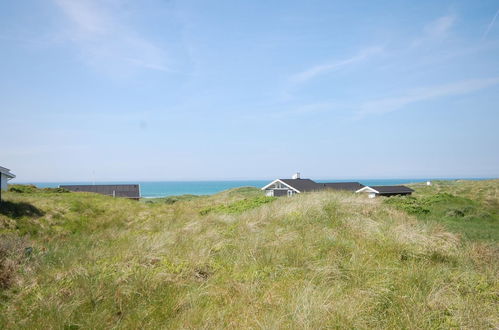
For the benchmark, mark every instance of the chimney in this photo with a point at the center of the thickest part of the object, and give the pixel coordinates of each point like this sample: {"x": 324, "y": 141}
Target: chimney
{"x": 296, "y": 175}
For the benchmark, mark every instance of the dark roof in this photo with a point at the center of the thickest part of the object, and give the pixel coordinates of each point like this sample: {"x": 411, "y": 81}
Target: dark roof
{"x": 351, "y": 186}
{"x": 303, "y": 184}
{"x": 308, "y": 185}
{"x": 117, "y": 190}
{"x": 392, "y": 189}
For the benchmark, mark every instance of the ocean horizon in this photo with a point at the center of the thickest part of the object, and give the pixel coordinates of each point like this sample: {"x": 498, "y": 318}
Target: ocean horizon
{"x": 156, "y": 189}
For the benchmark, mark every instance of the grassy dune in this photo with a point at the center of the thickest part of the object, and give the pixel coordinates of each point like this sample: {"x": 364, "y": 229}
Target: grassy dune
{"x": 469, "y": 208}
{"x": 318, "y": 260}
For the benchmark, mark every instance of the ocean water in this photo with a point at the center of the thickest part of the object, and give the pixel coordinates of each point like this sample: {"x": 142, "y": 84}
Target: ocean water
{"x": 151, "y": 189}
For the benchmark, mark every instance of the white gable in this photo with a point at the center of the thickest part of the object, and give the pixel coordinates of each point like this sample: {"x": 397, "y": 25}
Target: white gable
{"x": 6, "y": 172}
{"x": 367, "y": 189}
{"x": 280, "y": 184}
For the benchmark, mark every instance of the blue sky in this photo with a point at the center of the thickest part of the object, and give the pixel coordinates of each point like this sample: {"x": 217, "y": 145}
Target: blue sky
{"x": 188, "y": 90}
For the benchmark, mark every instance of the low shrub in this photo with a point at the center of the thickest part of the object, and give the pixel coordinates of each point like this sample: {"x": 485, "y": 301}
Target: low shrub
{"x": 239, "y": 206}
{"x": 460, "y": 212}
{"x": 30, "y": 189}
{"x": 409, "y": 204}
{"x": 55, "y": 190}
{"x": 455, "y": 213}
{"x": 438, "y": 198}
{"x": 442, "y": 203}
{"x": 23, "y": 188}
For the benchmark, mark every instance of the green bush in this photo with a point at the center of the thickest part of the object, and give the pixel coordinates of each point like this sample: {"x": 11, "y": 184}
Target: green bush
{"x": 455, "y": 213}
{"x": 409, "y": 204}
{"x": 440, "y": 203}
{"x": 460, "y": 212}
{"x": 438, "y": 198}
{"x": 55, "y": 190}
{"x": 30, "y": 189}
{"x": 23, "y": 188}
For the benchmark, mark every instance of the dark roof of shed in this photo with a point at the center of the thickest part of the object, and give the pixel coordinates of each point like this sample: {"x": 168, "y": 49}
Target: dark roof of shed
{"x": 120, "y": 190}
{"x": 303, "y": 184}
{"x": 351, "y": 186}
{"x": 392, "y": 189}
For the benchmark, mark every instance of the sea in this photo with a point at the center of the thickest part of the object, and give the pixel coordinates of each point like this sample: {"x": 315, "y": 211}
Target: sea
{"x": 155, "y": 189}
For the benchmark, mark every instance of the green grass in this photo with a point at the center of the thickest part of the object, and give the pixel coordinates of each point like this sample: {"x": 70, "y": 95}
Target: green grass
{"x": 469, "y": 208}
{"x": 172, "y": 199}
{"x": 319, "y": 260}
{"x": 238, "y": 206}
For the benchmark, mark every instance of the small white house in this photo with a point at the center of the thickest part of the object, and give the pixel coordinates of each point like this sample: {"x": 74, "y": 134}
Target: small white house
{"x": 5, "y": 175}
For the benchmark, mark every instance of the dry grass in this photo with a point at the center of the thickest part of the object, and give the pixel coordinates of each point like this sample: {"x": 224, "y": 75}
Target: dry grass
{"x": 322, "y": 260}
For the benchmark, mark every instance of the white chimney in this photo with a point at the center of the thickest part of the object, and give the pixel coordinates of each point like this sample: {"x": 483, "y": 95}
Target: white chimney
{"x": 296, "y": 175}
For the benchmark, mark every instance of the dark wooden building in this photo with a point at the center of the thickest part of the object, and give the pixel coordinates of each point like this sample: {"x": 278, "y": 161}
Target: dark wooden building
{"x": 131, "y": 191}
{"x": 374, "y": 191}
{"x": 348, "y": 186}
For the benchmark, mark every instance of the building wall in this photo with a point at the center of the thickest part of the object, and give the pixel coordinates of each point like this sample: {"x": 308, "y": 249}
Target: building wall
{"x": 395, "y": 194}
{"x": 280, "y": 192}
{"x": 3, "y": 181}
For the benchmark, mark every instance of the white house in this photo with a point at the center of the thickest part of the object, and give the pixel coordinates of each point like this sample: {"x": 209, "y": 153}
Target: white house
{"x": 297, "y": 185}
{"x": 5, "y": 175}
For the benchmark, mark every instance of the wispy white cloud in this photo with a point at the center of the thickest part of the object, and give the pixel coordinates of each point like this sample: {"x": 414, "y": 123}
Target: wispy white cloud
{"x": 96, "y": 28}
{"x": 491, "y": 24}
{"x": 436, "y": 30}
{"x": 335, "y": 65}
{"x": 390, "y": 104}
{"x": 440, "y": 27}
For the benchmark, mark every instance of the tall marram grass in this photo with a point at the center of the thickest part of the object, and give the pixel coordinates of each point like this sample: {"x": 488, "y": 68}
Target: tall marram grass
{"x": 319, "y": 260}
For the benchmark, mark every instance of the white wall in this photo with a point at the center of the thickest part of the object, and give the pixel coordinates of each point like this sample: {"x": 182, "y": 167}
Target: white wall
{"x": 3, "y": 181}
